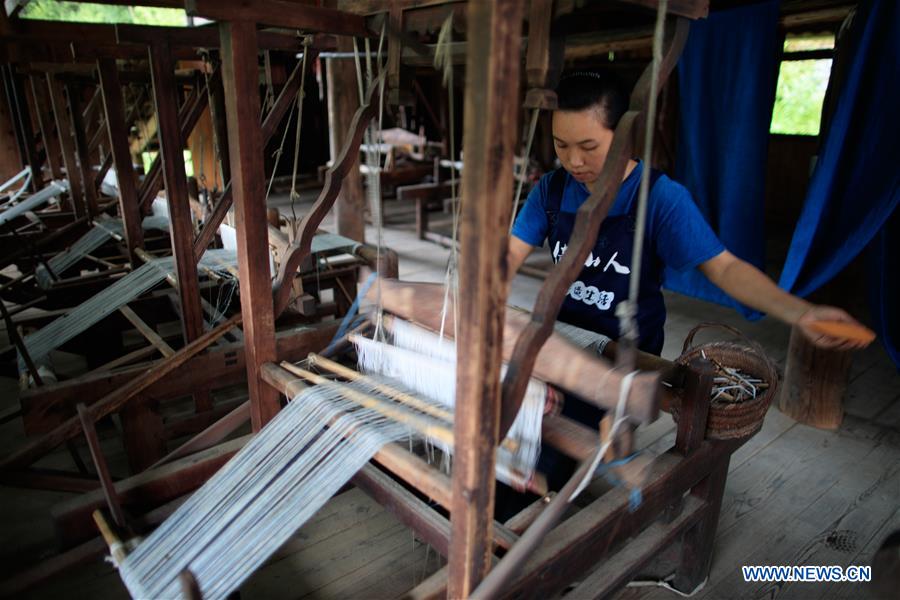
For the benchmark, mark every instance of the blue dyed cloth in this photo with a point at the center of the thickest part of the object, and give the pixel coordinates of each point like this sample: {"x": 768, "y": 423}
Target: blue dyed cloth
{"x": 854, "y": 189}
{"x": 726, "y": 76}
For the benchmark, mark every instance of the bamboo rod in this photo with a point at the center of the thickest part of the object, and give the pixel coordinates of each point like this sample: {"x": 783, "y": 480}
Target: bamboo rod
{"x": 116, "y": 547}
{"x": 421, "y": 424}
{"x": 347, "y": 373}
{"x": 435, "y": 411}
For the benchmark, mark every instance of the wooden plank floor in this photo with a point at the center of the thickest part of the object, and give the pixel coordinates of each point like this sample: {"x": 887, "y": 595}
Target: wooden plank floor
{"x": 795, "y": 495}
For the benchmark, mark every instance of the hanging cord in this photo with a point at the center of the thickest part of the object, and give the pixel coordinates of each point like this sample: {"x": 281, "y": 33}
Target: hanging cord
{"x": 301, "y": 94}
{"x": 207, "y": 68}
{"x": 373, "y": 161}
{"x": 443, "y": 62}
{"x": 376, "y": 193}
{"x": 269, "y": 100}
{"x": 620, "y": 417}
{"x": 277, "y": 154}
{"x": 666, "y": 584}
{"x": 529, "y": 139}
{"x": 627, "y": 310}
{"x": 359, "y": 80}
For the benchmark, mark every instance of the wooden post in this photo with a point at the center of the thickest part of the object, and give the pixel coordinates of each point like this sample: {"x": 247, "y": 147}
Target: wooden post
{"x": 815, "y": 381}
{"x": 39, "y": 96}
{"x": 491, "y": 122}
{"x": 66, "y": 144}
{"x": 8, "y": 92}
{"x": 343, "y": 100}
{"x": 165, "y": 93}
{"x": 10, "y": 159}
{"x": 240, "y": 73}
{"x": 114, "y": 108}
{"x": 697, "y": 544}
{"x": 22, "y": 116}
{"x": 220, "y": 126}
{"x": 81, "y": 148}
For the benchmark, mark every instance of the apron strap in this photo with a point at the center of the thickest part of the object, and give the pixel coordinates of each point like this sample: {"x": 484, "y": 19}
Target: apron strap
{"x": 555, "y": 189}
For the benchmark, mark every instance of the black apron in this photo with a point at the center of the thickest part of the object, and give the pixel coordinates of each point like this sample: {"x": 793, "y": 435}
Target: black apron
{"x": 603, "y": 282}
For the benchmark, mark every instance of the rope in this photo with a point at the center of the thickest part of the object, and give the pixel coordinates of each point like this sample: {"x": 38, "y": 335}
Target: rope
{"x": 269, "y": 100}
{"x": 301, "y": 94}
{"x": 627, "y": 310}
{"x": 532, "y": 128}
{"x": 443, "y": 61}
{"x": 620, "y": 417}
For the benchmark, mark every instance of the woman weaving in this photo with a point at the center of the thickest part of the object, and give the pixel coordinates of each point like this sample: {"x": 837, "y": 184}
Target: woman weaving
{"x": 676, "y": 234}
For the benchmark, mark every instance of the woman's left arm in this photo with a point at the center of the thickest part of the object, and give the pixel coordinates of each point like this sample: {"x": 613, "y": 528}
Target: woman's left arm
{"x": 750, "y": 286}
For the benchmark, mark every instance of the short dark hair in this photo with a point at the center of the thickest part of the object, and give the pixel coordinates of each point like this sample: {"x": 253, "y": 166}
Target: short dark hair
{"x": 579, "y": 90}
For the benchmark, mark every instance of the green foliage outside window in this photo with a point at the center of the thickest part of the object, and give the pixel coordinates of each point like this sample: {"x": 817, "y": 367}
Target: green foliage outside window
{"x": 801, "y": 88}
{"x": 147, "y": 159}
{"x": 102, "y": 13}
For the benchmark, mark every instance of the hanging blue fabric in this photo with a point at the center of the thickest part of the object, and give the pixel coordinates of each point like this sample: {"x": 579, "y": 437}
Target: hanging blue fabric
{"x": 884, "y": 288}
{"x": 727, "y": 76}
{"x": 854, "y": 188}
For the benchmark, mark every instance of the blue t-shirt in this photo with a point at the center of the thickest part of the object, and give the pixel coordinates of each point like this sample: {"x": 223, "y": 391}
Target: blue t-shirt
{"x": 682, "y": 237}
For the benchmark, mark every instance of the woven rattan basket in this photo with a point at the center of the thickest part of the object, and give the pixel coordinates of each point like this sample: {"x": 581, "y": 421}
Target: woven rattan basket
{"x": 729, "y": 421}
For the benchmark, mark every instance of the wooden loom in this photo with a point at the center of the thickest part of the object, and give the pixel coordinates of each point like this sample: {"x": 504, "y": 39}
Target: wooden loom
{"x": 470, "y": 536}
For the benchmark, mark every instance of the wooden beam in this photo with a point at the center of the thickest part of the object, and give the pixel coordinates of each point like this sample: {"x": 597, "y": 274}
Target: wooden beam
{"x": 86, "y": 52}
{"x": 692, "y": 9}
{"x": 301, "y": 247}
{"x": 491, "y": 122}
{"x": 177, "y": 4}
{"x": 206, "y": 36}
{"x": 343, "y": 102}
{"x": 73, "y": 91}
{"x": 613, "y": 574}
{"x": 240, "y": 77}
{"x": 112, "y": 401}
{"x": 117, "y": 127}
{"x": 67, "y": 145}
{"x": 64, "y": 31}
{"x": 42, "y": 109}
{"x": 47, "y": 407}
{"x": 148, "y": 332}
{"x": 171, "y": 146}
{"x": 280, "y": 13}
{"x": 22, "y": 114}
{"x": 270, "y": 124}
{"x": 369, "y": 7}
{"x": 188, "y": 116}
{"x": 144, "y": 491}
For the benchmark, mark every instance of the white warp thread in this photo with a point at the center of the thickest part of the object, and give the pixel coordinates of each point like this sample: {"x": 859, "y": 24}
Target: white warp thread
{"x": 24, "y": 173}
{"x": 426, "y": 363}
{"x": 40, "y": 343}
{"x": 253, "y": 504}
{"x": 96, "y": 236}
{"x": 55, "y": 188}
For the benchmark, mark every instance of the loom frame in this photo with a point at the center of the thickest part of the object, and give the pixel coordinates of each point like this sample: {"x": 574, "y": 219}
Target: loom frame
{"x": 693, "y": 466}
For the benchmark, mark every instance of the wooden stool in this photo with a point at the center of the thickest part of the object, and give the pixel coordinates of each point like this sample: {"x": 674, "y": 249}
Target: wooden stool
{"x": 815, "y": 380}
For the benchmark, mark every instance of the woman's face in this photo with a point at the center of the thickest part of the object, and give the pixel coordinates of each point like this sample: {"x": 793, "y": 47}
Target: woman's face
{"x": 581, "y": 141}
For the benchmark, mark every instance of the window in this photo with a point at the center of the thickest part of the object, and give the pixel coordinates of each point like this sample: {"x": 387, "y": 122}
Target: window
{"x": 148, "y": 157}
{"x": 102, "y": 13}
{"x": 802, "y": 81}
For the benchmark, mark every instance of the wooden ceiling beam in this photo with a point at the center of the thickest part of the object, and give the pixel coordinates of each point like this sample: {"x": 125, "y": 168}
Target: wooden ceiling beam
{"x": 371, "y": 7}
{"x": 286, "y": 14}
{"x": 692, "y": 9}
{"x": 177, "y": 4}
{"x": 198, "y": 37}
